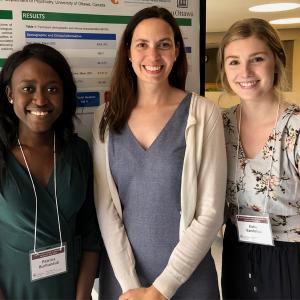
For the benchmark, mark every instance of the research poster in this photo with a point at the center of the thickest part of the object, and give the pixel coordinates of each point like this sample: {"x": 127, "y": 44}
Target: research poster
{"x": 87, "y": 33}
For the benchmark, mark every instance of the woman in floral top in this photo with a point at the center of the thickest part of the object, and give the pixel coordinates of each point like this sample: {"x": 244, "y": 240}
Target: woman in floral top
{"x": 261, "y": 254}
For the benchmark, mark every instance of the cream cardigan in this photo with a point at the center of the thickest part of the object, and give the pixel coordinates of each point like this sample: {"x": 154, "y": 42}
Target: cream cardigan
{"x": 202, "y": 200}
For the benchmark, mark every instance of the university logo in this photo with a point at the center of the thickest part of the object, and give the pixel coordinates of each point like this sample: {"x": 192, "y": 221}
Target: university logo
{"x": 182, "y": 3}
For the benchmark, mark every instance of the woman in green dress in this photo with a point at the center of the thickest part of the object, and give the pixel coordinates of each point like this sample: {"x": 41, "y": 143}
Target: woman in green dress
{"x": 49, "y": 234}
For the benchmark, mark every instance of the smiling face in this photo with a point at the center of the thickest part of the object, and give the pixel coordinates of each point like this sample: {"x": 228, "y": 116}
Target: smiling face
{"x": 153, "y": 51}
{"x": 37, "y": 94}
{"x": 250, "y": 67}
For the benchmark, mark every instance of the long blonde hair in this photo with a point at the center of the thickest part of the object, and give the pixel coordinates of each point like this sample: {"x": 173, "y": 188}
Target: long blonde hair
{"x": 262, "y": 30}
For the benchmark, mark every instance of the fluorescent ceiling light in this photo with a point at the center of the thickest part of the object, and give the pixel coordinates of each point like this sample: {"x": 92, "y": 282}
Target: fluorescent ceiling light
{"x": 274, "y": 7}
{"x": 286, "y": 21}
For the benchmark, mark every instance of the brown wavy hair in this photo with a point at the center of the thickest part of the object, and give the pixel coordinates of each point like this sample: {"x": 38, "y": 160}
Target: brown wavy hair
{"x": 122, "y": 96}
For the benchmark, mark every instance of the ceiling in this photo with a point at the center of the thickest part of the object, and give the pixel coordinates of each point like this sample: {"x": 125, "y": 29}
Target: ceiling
{"x": 220, "y": 14}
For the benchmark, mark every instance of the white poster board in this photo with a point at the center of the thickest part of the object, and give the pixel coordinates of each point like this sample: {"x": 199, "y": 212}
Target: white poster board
{"x": 87, "y": 33}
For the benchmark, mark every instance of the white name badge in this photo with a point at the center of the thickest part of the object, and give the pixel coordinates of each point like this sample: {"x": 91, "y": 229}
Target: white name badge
{"x": 255, "y": 229}
{"x": 49, "y": 262}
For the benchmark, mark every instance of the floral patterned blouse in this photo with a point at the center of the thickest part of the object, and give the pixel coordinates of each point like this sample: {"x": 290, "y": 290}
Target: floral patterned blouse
{"x": 250, "y": 183}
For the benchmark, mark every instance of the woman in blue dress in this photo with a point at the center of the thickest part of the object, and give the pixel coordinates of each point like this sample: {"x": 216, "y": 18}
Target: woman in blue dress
{"x": 160, "y": 170}
{"x": 49, "y": 235}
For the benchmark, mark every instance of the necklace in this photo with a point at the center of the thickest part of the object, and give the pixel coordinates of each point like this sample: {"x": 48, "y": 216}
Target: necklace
{"x": 35, "y": 194}
{"x": 271, "y": 163}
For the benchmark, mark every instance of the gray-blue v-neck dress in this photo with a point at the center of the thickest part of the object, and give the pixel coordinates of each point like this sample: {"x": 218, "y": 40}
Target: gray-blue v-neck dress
{"x": 149, "y": 185}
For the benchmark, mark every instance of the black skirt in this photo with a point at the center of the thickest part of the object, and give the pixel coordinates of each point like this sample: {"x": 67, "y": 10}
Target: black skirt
{"x": 251, "y": 271}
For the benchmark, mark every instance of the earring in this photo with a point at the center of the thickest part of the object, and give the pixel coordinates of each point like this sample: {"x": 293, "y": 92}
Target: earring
{"x": 11, "y": 101}
{"x": 130, "y": 59}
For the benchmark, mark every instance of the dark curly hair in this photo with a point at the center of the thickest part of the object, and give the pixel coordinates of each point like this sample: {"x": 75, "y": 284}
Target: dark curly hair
{"x": 9, "y": 122}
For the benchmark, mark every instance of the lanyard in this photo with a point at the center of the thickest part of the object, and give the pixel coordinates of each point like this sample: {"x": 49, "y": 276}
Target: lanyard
{"x": 271, "y": 163}
{"x": 35, "y": 194}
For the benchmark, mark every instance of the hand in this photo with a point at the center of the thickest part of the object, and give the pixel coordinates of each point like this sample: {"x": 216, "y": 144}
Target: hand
{"x": 1, "y": 295}
{"x": 150, "y": 293}
{"x": 87, "y": 274}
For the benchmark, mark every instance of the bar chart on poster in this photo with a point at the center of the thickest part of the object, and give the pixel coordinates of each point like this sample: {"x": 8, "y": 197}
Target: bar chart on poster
{"x": 87, "y": 33}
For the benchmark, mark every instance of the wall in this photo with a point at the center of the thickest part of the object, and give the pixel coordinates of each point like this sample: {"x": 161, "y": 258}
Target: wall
{"x": 212, "y": 40}
{"x": 87, "y": 33}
